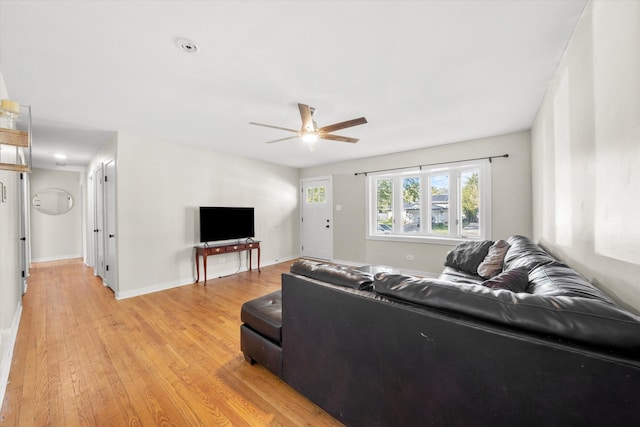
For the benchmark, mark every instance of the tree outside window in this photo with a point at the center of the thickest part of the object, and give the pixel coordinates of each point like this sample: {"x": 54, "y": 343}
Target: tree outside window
{"x": 470, "y": 203}
{"x": 384, "y": 218}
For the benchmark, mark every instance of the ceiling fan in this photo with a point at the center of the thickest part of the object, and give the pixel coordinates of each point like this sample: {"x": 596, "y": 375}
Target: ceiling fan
{"x": 310, "y": 132}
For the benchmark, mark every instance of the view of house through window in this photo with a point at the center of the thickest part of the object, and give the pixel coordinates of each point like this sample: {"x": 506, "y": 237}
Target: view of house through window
{"x": 439, "y": 206}
{"x": 453, "y": 198}
{"x": 411, "y": 204}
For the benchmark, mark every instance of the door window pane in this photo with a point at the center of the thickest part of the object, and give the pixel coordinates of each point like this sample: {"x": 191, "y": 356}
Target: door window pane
{"x": 316, "y": 194}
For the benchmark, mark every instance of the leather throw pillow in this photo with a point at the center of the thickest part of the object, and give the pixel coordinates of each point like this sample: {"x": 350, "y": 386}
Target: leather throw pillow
{"x": 492, "y": 264}
{"x": 468, "y": 255}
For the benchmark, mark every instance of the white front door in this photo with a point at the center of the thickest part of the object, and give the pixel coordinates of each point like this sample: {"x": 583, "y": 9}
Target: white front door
{"x": 316, "y": 231}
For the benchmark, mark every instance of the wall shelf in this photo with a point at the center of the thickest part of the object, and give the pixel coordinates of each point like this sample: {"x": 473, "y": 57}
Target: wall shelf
{"x": 15, "y": 144}
{"x": 19, "y": 139}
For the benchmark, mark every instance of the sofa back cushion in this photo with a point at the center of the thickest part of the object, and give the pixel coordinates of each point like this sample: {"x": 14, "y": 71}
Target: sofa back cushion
{"x": 557, "y": 279}
{"x": 514, "y": 280}
{"x": 450, "y": 274}
{"x": 523, "y": 252}
{"x": 579, "y": 319}
{"x": 331, "y": 273}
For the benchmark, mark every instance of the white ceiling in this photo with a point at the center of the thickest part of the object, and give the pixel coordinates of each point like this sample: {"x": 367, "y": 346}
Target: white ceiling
{"x": 422, "y": 72}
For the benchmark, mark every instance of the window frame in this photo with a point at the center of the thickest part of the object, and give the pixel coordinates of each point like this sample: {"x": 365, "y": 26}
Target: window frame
{"x": 425, "y": 234}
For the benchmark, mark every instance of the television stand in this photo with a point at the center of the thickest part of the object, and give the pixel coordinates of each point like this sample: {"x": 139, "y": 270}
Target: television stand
{"x": 222, "y": 248}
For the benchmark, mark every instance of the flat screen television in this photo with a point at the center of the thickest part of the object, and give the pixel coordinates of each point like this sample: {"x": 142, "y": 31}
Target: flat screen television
{"x": 226, "y": 223}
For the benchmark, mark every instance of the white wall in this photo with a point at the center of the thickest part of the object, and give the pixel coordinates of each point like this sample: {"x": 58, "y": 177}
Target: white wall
{"x": 55, "y": 237}
{"x": 160, "y": 186}
{"x": 586, "y": 152}
{"x": 511, "y": 201}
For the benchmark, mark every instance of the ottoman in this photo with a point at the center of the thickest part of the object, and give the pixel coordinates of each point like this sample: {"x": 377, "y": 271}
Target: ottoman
{"x": 261, "y": 332}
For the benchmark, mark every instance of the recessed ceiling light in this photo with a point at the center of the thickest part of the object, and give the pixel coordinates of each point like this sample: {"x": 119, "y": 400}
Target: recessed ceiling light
{"x": 187, "y": 45}
{"x": 60, "y": 156}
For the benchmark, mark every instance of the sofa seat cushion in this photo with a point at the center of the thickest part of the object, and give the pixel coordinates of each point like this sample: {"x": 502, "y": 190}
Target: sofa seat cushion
{"x": 557, "y": 279}
{"x": 578, "y": 319}
{"x": 523, "y": 252}
{"x": 264, "y": 315}
{"x": 339, "y": 275}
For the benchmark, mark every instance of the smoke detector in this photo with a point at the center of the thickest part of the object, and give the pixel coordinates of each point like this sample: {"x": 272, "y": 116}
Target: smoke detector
{"x": 187, "y": 45}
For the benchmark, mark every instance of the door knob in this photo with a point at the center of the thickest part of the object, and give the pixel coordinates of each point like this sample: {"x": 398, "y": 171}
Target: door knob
{"x": 112, "y": 235}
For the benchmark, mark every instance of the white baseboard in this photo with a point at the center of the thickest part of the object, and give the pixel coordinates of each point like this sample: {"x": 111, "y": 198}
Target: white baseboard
{"x": 9, "y": 341}
{"x": 189, "y": 281}
{"x": 56, "y": 258}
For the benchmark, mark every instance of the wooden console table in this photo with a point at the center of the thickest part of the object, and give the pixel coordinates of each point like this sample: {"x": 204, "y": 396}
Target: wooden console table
{"x": 204, "y": 252}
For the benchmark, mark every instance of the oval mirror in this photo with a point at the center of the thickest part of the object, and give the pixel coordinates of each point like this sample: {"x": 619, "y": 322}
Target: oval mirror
{"x": 52, "y": 201}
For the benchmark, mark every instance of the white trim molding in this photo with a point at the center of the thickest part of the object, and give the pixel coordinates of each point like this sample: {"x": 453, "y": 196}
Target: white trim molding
{"x": 7, "y": 343}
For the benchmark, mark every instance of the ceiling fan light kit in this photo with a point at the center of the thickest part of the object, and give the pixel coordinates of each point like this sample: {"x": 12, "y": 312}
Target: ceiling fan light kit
{"x": 310, "y": 137}
{"x": 310, "y": 132}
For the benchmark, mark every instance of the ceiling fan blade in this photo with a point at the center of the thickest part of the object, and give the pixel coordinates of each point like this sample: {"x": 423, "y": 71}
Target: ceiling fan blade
{"x": 273, "y": 127}
{"x": 307, "y": 120}
{"x": 343, "y": 125}
{"x": 338, "y": 138}
{"x": 281, "y": 139}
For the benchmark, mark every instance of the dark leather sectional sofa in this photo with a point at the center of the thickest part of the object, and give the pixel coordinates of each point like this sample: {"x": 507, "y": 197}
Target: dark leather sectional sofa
{"x": 397, "y": 350}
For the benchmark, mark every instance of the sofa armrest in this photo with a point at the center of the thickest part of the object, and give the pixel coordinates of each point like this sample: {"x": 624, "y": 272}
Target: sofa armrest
{"x": 331, "y": 273}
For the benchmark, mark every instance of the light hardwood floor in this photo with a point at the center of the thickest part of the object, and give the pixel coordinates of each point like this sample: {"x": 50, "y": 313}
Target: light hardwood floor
{"x": 167, "y": 358}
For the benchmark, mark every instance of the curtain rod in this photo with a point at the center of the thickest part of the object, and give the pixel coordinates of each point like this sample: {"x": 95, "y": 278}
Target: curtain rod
{"x": 490, "y": 158}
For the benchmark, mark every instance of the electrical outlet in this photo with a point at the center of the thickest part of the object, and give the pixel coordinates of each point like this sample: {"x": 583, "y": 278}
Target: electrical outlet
{"x": 410, "y": 257}
{"x": 221, "y": 260}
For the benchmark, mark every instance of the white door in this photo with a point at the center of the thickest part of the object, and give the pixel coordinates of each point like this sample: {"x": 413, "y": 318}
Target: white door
{"x": 90, "y": 221}
{"x": 98, "y": 224}
{"x": 111, "y": 266}
{"x": 316, "y": 231}
{"x": 23, "y": 201}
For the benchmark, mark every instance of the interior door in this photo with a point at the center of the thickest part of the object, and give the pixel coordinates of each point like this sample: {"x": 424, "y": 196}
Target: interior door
{"x": 23, "y": 200}
{"x": 98, "y": 223}
{"x": 111, "y": 266}
{"x": 90, "y": 220}
{"x": 317, "y": 218}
